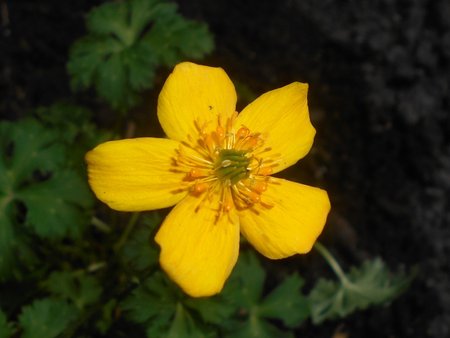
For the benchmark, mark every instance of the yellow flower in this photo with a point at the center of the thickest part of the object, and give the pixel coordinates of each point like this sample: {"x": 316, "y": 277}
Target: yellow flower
{"x": 215, "y": 167}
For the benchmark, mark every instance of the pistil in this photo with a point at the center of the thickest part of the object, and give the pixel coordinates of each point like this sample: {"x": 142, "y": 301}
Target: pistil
{"x": 232, "y": 165}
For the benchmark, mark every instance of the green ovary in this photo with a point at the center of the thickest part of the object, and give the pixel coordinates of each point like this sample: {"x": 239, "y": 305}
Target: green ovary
{"x": 232, "y": 165}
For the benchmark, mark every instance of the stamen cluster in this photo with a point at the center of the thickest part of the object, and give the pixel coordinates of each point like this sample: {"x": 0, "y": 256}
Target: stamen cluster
{"x": 228, "y": 161}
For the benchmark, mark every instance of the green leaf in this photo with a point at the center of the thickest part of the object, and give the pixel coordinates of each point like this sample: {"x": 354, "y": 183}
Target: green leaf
{"x": 214, "y": 310}
{"x": 174, "y": 38}
{"x": 286, "y": 302}
{"x": 55, "y": 207}
{"x": 140, "y": 253}
{"x": 75, "y": 129}
{"x": 71, "y": 120}
{"x": 86, "y": 57}
{"x": 46, "y": 318}
{"x": 32, "y": 149}
{"x": 184, "y": 326}
{"x": 247, "y": 281}
{"x": 153, "y": 301}
{"x": 35, "y": 174}
{"x": 157, "y": 304}
{"x": 126, "y": 43}
{"x": 371, "y": 284}
{"x": 6, "y": 330}
{"x": 245, "y": 289}
{"x": 256, "y": 327}
{"x": 79, "y": 288}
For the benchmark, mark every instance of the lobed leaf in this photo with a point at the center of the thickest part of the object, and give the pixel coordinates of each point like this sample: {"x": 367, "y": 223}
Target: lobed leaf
{"x": 371, "y": 284}
{"x": 46, "y": 318}
{"x": 126, "y": 43}
{"x": 164, "y": 310}
{"x": 81, "y": 289}
{"x": 245, "y": 289}
{"x": 38, "y": 190}
{"x": 184, "y": 326}
{"x": 213, "y": 310}
{"x": 247, "y": 281}
{"x": 153, "y": 301}
{"x": 286, "y": 302}
{"x": 55, "y": 206}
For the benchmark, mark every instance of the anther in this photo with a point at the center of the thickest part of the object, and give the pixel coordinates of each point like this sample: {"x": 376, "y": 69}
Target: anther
{"x": 219, "y": 134}
{"x": 196, "y": 173}
{"x": 265, "y": 171}
{"x": 254, "y": 197}
{"x": 242, "y": 132}
{"x": 259, "y": 187}
{"x": 198, "y": 188}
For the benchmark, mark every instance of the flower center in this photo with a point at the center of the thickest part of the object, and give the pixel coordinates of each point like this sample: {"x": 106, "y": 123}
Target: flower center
{"x": 232, "y": 165}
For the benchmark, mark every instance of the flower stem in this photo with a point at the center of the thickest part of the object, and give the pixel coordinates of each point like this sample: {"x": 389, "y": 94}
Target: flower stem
{"x": 128, "y": 229}
{"x": 100, "y": 225}
{"x": 332, "y": 262}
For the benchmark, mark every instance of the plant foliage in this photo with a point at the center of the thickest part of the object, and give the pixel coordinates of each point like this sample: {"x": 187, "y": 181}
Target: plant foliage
{"x": 5, "y": 327}
{"x": 40, "y": 194}
{"x": 371, "y": 284}
{"x": 126, "y": 43}
{"x": 46, "y": 318}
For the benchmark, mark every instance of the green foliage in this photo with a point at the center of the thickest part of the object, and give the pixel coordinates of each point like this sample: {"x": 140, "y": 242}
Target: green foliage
{"x": 75, "y": 130}
{"x": 368, "y": 285}
{"x": 79, "y": 288}
{"x": 212, "y": 310}
{"x": 285, "y": 303}
{"x": 104, "y": 323}
{"x": 5, "y": 327}
{"x": 184, "y": 326}
{"x": 140, "y": 304}
{"x": 140, "y": 252}
{"x": 46, "y": 318}
{"x": 165, "y": 311}
{"x": 35, "y": 176}
{"x": 125, "y": 44}
{"x": 240, "y": 311}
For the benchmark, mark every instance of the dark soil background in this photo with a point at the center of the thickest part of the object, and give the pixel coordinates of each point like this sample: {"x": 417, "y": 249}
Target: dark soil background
{"x": 379, "y": 75}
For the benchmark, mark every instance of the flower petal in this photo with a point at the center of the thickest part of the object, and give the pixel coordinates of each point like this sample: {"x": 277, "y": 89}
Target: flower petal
{"x": 135, "y": 174}
{"x": 194, "y": 93}
{"x": 198, "y": 251}
{"x": 282, "y": 117}
{"x": 293, "y": 223}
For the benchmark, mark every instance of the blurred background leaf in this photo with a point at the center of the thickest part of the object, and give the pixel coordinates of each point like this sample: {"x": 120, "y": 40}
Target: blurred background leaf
{"x": 370, "y": 284}
{"x": 126, "y": 43}
{"x": 46, "y": 318}
{"x": 79, "y": 288}
{"x": 40, "y": 194}
{"x": 5, "y": 327}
